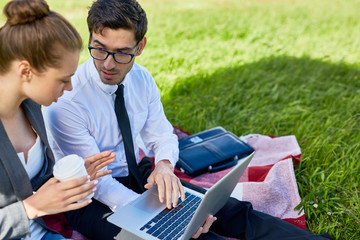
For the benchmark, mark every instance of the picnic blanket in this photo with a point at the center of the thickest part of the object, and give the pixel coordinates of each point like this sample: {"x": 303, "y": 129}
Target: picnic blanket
{"x": 269, "y": 182}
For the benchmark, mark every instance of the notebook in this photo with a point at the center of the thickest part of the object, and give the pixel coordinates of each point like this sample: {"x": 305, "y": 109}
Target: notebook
{"x": 147, "y": 218}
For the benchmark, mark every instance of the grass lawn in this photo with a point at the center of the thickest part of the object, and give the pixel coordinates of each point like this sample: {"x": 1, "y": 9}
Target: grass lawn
{"x": 277, "y": 67}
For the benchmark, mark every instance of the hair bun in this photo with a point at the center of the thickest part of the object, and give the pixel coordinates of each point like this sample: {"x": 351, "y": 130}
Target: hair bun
{"x": 25, "y": 11}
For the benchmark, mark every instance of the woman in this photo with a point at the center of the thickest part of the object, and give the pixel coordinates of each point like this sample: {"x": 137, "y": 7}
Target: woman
{"x": 39, "y": 52}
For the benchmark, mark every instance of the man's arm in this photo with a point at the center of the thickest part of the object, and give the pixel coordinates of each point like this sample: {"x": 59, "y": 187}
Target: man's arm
{"x": 157, "y": 135}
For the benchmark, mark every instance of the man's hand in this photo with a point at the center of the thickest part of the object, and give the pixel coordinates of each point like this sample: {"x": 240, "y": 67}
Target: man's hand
{"x": 169, "y": 184}
{"x": 96, "y": 162}
{"x": 205, "y": 228}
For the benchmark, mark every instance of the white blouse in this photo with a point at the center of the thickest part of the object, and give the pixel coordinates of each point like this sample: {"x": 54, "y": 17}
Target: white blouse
{"x": 33, "y": 166}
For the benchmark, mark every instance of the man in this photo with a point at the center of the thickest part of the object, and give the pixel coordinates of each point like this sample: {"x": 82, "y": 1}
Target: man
{"x": 84, "y": 122}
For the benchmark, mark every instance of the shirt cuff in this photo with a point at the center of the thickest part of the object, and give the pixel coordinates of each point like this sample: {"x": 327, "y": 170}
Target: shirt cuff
{"x": 113, "y": 194}
{"x": 173, "y": 157}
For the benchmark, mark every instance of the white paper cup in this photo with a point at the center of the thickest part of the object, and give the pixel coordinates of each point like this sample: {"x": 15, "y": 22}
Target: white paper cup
{"x": 70, "y": 167}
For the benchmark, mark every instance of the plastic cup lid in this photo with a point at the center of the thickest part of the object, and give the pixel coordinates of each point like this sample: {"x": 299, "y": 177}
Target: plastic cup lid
{"x": 68, "y": 166}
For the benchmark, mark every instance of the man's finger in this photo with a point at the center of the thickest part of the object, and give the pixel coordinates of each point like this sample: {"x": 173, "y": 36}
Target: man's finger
{"x": 161, "y": 189}
{"x": 181, "y": 189}
{"x": 148, "y": 185}
{"x": 168, "y": 189}
{"x": 175, "y": 193}
{"x": 198, "y": 233}
{"x": 209, "y": 221}
{"x": 102, "y": 173}
{"x": 104, "y": 164}
{"x": 97, "y": 156}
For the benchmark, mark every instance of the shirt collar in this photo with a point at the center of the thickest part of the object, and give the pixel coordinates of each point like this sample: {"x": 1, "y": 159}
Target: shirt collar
{"x": 107, "y": 88}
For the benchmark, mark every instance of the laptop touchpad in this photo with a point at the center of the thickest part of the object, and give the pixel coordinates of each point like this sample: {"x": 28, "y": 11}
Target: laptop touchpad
{"x": 150, "y": 202}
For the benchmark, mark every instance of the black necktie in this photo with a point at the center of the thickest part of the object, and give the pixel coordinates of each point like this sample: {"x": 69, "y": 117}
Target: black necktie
{"x": 124, "y": 124}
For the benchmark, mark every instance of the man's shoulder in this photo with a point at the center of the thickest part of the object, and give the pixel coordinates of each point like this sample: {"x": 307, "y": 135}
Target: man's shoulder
{"x": 139, "y": 75}
{"x": 140, "y": 71}
{"x": 81, "y": 82}
{"x": 138, "y": 67}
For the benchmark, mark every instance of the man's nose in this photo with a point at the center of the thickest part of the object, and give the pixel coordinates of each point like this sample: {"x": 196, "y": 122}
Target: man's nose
{"x": 109, "y": 63}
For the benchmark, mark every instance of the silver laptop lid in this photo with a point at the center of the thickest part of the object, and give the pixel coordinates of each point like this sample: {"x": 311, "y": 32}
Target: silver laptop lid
{"x": 216, "y": 197}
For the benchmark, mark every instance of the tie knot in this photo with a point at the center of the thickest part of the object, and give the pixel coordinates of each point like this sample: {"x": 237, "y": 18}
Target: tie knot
{"x": 120, "y": 90}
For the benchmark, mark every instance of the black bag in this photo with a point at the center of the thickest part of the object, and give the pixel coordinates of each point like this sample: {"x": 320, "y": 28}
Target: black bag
{"x": 210, "y": 151}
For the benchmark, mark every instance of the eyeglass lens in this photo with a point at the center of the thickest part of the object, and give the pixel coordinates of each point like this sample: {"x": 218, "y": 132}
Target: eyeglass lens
{"x": 101, "y": 55}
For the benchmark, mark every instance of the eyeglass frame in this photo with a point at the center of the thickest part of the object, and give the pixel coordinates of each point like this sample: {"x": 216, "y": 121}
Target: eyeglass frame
{"x": 113, "y": 53}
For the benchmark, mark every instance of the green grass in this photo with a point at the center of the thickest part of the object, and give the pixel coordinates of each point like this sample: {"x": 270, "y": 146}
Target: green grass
{"x": 277, "y": 67}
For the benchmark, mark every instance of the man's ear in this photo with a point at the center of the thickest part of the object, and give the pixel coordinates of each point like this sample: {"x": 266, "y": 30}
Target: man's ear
{"x": 25, "y": 70}
{"x": 141, "y": 46}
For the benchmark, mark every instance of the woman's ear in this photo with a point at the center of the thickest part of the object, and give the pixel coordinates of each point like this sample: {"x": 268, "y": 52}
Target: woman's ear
{"x": 24, "y": 70}
{"x": 141, "y": 46}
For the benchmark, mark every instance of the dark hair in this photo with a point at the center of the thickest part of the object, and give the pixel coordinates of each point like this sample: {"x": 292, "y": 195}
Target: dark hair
{"x": 34, "y": 33}
{"x": 115, "y": 14}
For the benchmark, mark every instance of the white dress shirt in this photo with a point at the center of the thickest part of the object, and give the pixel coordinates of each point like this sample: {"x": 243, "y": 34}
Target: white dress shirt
{"x": 83, "y": 122}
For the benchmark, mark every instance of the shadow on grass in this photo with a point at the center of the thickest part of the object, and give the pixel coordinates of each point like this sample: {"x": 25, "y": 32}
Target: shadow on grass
{"x": 314, "y": 100}
{"x": 272, "y": 96}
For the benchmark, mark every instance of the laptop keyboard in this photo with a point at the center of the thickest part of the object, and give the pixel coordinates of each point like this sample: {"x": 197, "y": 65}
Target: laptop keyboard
{"x": 170, "y": 223}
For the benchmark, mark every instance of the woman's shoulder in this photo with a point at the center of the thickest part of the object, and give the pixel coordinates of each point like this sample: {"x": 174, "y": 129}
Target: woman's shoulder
{"x": 31, "y": 105}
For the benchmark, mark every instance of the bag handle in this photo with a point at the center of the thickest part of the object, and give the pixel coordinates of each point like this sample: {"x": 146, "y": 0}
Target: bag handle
{"x": 224, "y": 165}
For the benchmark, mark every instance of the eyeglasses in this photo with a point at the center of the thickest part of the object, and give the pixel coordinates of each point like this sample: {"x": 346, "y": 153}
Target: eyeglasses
{"x": 119, "y": 57}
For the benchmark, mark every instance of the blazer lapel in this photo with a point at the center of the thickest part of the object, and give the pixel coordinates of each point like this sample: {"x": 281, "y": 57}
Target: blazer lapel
{"x": 33, "y": 113}
{"x": 13, "y": 166}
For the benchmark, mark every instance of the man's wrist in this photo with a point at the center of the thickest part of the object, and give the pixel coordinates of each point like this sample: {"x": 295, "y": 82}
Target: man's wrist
{"x": 166, "y": 162}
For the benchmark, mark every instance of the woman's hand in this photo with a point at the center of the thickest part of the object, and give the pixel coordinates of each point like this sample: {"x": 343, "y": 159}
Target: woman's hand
{"x": 205, "y": 228}
{"x": 96, "y": 162}
{"x": 55, "y": 196}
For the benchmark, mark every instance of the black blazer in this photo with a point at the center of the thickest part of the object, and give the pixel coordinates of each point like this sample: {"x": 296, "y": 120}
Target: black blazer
{"x": 15, "y": 184}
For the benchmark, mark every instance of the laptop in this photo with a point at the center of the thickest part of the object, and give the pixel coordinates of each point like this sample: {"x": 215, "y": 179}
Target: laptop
{"x": 147, "y": 218}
